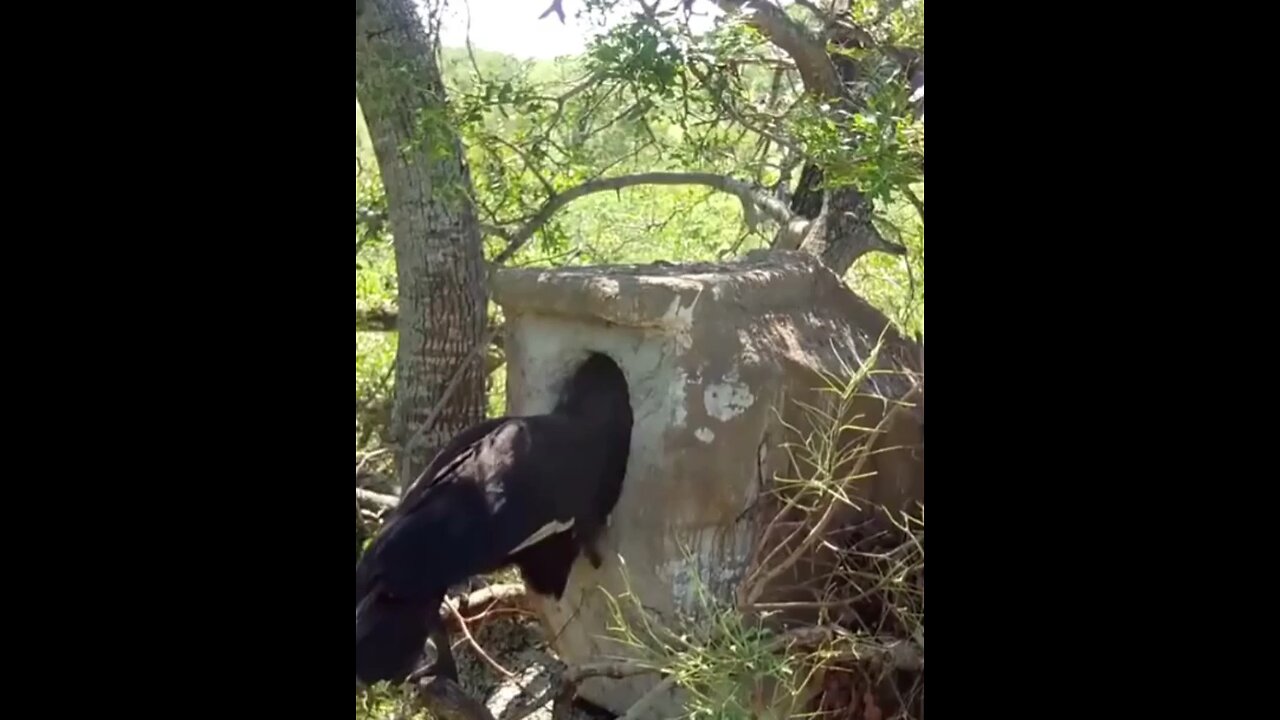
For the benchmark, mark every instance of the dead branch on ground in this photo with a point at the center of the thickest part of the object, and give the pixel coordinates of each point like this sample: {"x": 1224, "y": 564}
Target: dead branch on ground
{"x": 378, "y": 500}
{"x": 466, "y": 632}
{"x": 445, "y": 700}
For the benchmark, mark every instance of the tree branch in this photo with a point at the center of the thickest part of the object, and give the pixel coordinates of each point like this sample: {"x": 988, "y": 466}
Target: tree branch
{"x": 750, "y": 195}
{"x": 501, "y": 592}
{"x": 376, "y": 320}
{"x": 810, "y": 55}
{"x": 379, "y": 500}
{"x": 466, "y": 631}
{"x": 524, "y": 157}
{"x": 728, "y": 107}
{"x": 896, "y": 653}
{"x": 503, "y": 597}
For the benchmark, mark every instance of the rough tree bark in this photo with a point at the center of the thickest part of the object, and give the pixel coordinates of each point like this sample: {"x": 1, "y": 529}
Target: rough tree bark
{"x": 442, "y": 298}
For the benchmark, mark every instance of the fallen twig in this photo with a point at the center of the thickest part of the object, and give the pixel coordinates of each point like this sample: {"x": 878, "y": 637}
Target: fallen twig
{"x": 363, "y": 460}
{"x": 462, "y": 623}
{"x": 512, "y": 594}
{"x": 372, "y": 498}
{"x": 615, "y": 670}
{"x": 897, "y": 653}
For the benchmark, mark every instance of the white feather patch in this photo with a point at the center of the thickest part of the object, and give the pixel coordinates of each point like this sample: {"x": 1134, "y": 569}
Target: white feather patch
{"x": 544, "y": 532}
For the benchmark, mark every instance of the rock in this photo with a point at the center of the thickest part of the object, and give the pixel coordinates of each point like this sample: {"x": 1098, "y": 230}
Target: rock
{"x": 713, "y": 354}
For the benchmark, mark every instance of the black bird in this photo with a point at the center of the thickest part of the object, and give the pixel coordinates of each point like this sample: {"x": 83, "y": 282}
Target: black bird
{"x": 530, "y": 491}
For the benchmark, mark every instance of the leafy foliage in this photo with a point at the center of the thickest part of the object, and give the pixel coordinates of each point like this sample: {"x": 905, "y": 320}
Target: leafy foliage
{"x": 651, "y": 94}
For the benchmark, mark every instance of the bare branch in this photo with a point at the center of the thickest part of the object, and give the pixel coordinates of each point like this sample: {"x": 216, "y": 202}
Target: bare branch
{"x": 466, "y": 632}
{"x": 364, "y": 459}
{"x": 470, "y": 51}
{"x": 502, "y": 593}
{"x": 743, "y": 121}
{"x": 378, "y": 499}
{"x": 898, "y": 654}
{"x": 749, "y": 194}
{"x": 568, "y": 95}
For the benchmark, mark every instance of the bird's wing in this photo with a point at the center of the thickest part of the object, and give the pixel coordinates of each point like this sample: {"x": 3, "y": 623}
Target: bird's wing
{"x": 461, "y": 448}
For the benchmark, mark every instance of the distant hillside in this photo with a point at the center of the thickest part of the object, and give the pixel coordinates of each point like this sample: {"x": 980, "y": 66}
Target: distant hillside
{"x": 456, "y": 66}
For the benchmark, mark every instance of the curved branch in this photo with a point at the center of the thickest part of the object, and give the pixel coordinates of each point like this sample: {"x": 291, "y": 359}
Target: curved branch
{"x": 813, "y": 62}
{"x": 751, "y": 196}
{"x": 736, "y": 115}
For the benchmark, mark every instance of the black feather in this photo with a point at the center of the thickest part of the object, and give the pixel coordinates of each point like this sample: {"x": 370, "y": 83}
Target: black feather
{"x": 485, "y": 494}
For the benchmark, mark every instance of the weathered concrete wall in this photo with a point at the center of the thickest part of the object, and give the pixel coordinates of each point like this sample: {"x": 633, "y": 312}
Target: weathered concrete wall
{"x": 709, "y": 352}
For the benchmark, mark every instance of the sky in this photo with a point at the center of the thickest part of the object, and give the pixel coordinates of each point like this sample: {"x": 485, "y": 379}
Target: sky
{"x": 512, "y": 26}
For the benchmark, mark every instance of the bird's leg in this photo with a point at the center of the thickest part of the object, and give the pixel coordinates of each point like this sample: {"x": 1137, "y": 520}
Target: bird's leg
{"x": 444, "y": 665}
{"x": 593, "y": 554}
{"x": 590, "y": 540}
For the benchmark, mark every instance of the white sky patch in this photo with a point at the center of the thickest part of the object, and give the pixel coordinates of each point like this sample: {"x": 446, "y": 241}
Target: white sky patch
{"x": 512, "y": 27}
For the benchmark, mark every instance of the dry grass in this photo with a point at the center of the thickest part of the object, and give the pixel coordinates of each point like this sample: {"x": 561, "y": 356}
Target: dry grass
{"x": 850, "y": 647}
{"x": 854, "y": 647}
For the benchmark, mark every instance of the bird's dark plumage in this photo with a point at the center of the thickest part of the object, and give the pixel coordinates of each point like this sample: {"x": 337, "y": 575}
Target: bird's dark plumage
{"x": 528, "y": 491}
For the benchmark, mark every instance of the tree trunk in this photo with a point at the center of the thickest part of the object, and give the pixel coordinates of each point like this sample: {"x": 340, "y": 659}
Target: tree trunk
{"x": 442, "y": 298}
{"x": 841, "y": 230}
{"x": 844, "y": 232}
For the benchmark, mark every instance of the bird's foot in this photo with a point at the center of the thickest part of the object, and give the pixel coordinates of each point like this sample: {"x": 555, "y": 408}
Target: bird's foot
{"x": 433, "y": 669}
